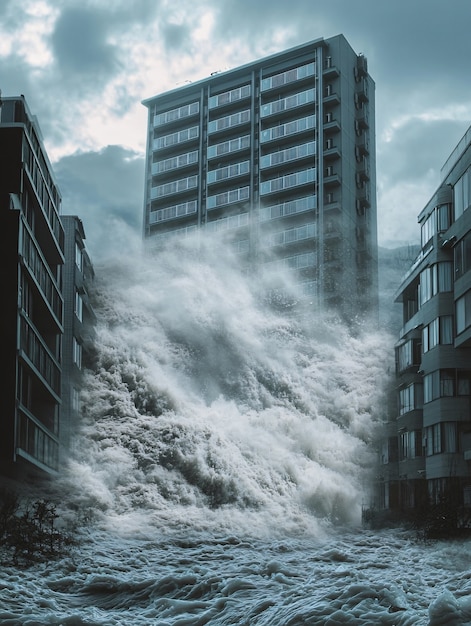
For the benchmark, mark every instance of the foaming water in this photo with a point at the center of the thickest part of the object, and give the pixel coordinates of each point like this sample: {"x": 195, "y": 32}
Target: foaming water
{"x": 210, "y": 409}
{"x": 223, "y": 457}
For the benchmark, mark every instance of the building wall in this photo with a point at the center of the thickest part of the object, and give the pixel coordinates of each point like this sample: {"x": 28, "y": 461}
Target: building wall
{"x": 36, "y": 301}
{"x": 433, "y": 353}
{"x": 280, "y": 155}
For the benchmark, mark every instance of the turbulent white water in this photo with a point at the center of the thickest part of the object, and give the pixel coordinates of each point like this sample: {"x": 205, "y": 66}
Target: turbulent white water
{"x": 224, "y": 456}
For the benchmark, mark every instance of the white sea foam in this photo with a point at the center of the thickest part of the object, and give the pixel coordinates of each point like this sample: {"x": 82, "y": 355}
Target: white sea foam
{"x": 208, "y": 407}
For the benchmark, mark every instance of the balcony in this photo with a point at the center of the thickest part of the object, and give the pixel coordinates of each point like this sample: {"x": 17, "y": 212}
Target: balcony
{"x": 174, "y": 139}
{"x": 228, "y": 197}
{"x": 36, "y": 352}
{"x": 288, "y": 77}
{"x": 172, "y": 212}
{"x": 230, "y": 171}
{"x": 228, "y": 147}
{"x": 177, "y": 162}
{"x": 179, "y": 113}
{"x": 288, "y": 103}
{"x": 293, "y": 207}
{"x": 228, "y": 97}
{"x": 229, "y": 121}
{"x": 173, "y": 187}
{"x": 290, "y": 154}
{"x": 289, "y": 129}
{"x": 296, "y": 179}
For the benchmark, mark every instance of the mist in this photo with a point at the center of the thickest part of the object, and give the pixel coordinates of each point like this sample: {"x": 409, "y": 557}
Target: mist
{"x": 207, "y": 407}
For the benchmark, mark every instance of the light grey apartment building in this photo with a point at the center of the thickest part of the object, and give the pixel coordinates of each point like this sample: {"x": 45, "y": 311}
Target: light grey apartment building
{"x": 279, "y": 155}
{"x": 426, "y": 455}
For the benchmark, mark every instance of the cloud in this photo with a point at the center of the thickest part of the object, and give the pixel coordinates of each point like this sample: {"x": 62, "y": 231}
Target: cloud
{"x": 80, "y": 43}
{"x": 105, "y": 189}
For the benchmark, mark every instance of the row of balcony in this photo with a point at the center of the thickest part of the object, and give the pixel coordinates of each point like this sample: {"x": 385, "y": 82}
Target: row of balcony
{"x": 291, "y": 235}
{"x": 34, "y": 349}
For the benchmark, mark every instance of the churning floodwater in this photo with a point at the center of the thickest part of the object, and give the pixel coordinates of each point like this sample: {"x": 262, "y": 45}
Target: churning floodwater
{"x": 225, "y": 450}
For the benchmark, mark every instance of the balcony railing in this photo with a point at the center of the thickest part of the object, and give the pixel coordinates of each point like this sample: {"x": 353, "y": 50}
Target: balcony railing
{"x": 175, "y": 186}
{"x": 241, "y": 117}
{"x": 226, "y": 147}
{"x": 170, "y": 213}
{"x": 228, "y": 223}
{"x": 187, "y": 134}
{"x": 40, "y": 270}
{"x": 300, "y": 205}
{"x": 288, "y": 129}
{"x": 176, "y": 114}
{"x": 295, "y": 262}
{"x": 290, "y": 102}
{"x": 291, "y": 235}
{"x": 182, "y": 160}
{"x": 230, "y": 171}
{"x": 227, "y": 197}
{"x": 229, "y": 96}
{"x": 38, "y": 354}
{"x": 290, "y": 154}
{"x": 287, "y": 182}
{"x": 278, "y": 80}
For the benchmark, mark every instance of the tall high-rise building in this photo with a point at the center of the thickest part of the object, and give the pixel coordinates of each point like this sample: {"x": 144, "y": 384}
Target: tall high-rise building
{"x": 278, "y": 154}
{"x": 426, "y": 456}
{"x": 34, "y": 412}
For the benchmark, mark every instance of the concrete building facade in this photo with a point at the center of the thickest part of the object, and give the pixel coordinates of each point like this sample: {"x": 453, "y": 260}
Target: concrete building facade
{"x": 35, "y": 303}
{"x": 426, "y": 455}
{"x": 279, "y": 155}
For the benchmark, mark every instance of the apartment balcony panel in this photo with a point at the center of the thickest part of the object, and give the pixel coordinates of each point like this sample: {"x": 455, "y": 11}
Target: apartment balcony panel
{"x": 174, "y": 187}
{"x": 228, "y": 98}
{"x": 447, "y": 409}
{"x": 287, "y": 78}
{"x": 178, "y": 162}
{"x": 304, "y": 126}
{"x": 330, "y": 71}
{"x": 174, "y": 141}
{"x": 177, "y": 115}
{"x": 446, "y": 465}
{"x": 35, "y": 443}
{"x": 236, "y": 222}
{"x": 332, "y": 180}
{"x": 227, "y": 148}
{"x": 232, "y": 196}
{"x": 332, "y": 127}
{"x": 411, "y": 420}
{"x": 296, "y": 153}
{"x": 298, "y": 206}
{"x": 331, "y": 99}
{"x": 181, "y": 210}
{"x": 229, "y": 172}
{"x": 412, "y": 469}
{"x": 294, "y": 237}
{"x": 223, "y": 124}
{"x": 37, "y": 354}
{"x": 39, "y": 270}
{"x": 288, "y": 182}
{"x": 287, "y": 105}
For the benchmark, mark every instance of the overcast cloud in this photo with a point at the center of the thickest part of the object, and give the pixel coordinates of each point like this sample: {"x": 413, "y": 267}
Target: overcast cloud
{"x": 85, "y": 66}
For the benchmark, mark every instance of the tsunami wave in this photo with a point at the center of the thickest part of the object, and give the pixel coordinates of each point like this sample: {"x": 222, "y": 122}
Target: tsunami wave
{"x": 207, "y": 407}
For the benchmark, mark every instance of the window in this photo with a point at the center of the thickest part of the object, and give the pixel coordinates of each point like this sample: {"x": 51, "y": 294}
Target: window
{"x": 463, "y": 312}
{"x": 77, "y": 353}
{"x": 410, "y": 444}
{"x": 408, "y": 354}
{"x": 439, "y": 331}
{"x": 434, "y": 279}
{"x": 429, "y": 228}
{"x": 78, "y": 257}
{"x": 462, "y": 193}
{"x": 410, "y": 398}
{"x": 78, "y": 306}
{"x": 462, "y": 252}
{"x": 441, "y": 437}
{"x": 446, "y": 383}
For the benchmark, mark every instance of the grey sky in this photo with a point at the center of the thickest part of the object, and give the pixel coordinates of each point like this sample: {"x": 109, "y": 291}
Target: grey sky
{"x": 85, "y": 67}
